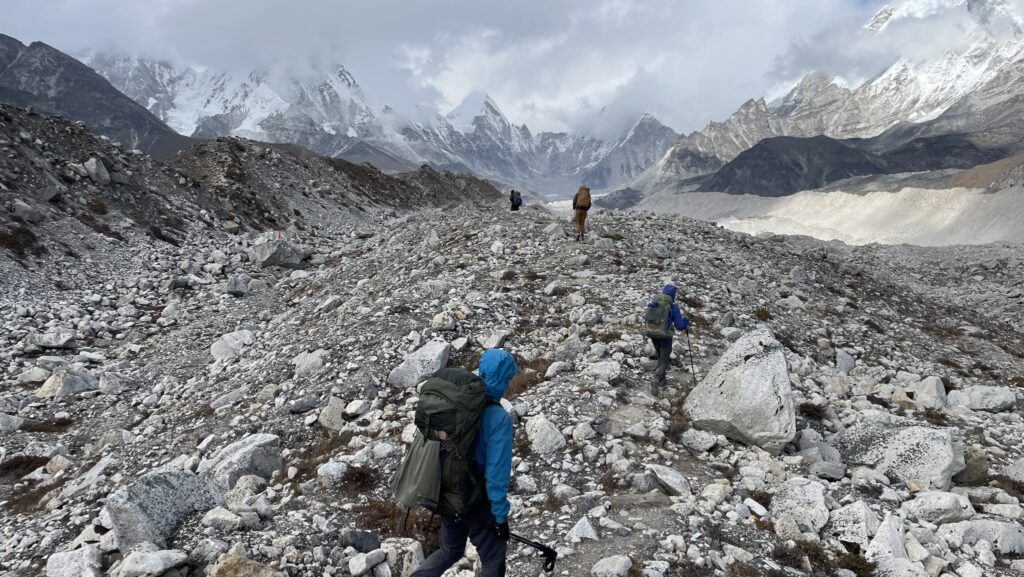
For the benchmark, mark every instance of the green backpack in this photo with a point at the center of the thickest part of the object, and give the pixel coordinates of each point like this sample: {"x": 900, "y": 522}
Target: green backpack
{"x": 439, "y": 472}
{"x": 657, "y": 317}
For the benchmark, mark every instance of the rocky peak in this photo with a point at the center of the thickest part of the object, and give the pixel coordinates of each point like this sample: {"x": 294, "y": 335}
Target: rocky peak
{"x": 477, "y": 111}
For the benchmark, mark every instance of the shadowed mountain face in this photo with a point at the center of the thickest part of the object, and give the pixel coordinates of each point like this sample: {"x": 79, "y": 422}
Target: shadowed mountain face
{"x": 784, "y": 165}
{"x": 50, "y": 81}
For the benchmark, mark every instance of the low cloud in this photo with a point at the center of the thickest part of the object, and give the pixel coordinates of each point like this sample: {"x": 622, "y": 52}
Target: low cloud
{"x": 581, "y": 66}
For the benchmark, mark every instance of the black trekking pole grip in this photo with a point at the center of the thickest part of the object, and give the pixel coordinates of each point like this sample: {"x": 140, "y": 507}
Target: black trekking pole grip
{"x": 550, "y": 555}
{"x": 689, "y": 348}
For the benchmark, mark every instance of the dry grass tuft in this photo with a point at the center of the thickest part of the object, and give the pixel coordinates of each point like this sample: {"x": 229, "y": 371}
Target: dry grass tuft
{"x": 812, "y": 411}
{"x": 17, "y": 467}
{"x": 859, "y": 565}
{"x": 49, "y": 426}
{"x": 936, "y": 417}
{"x": 531, "y": 374}
{"x": 762, "y": 314}
{"x": 390, "y": 520}
{"x": 360, "y": 480}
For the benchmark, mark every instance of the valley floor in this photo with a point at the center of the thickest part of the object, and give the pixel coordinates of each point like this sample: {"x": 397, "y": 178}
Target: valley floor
{"x": 910, "y": 216}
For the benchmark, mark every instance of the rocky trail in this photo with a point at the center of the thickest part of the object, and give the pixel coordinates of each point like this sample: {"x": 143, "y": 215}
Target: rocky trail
{"x": 210, "y": 367}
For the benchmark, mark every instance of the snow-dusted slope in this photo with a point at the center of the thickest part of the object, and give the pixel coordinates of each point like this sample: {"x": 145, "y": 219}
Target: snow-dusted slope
{"x": 911, "y": 90}
{"x": 325, "y": 110}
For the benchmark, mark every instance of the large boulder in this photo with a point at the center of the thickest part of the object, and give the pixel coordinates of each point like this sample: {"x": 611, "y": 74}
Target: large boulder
{"x": 982, "y": 398}
{"x": 1006, "y": 537}
{"x": 614, "y": 566}
{"x": 747, "y": 396}
{"x": 148, "y": 563}
{"x": 66, "y": 381}
{"x": 148, "y": 510}
{"x": 332, "y": 417}
{"x": 77, "y": 563}
{"x": 229, "y": 565}
{"x": 889, "y": 540}
{"x": 230, "y": 345}
{"x": 404, "y": 555}
{"x": 927, "y": 393}
{"x": 673, "y": 482}
{"x": 278, "y": 253}
{"x": 419, "y": 365}
{"x": 258, "y": 454}
{"x": 938, "y": 507}
{"x": 1015, "y": 470}
{"x": 545, "y": 438}
{"x": 903, "y": 451}
{"x": 97, "y": 171}
{"x": 307, "y": 364}
{"x": 58, "y": 338}
{"x": 855, "y": 523}
{"x": 799, "y": 502}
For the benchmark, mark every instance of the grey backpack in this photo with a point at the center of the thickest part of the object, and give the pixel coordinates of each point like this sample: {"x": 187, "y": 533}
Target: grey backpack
{"x": 657, "y": 317}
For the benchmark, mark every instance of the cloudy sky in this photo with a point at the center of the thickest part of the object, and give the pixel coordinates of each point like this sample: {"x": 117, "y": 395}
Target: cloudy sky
{"x": 587, "y": 65}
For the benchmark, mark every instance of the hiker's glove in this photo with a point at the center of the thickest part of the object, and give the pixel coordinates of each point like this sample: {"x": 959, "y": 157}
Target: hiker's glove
{"x": 502, "y": 530}
{"x": 686, "y": 323}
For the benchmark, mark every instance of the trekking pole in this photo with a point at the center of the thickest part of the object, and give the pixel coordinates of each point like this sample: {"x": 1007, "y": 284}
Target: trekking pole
{"x": 550, "y": 555}
{"x": 690, "y": 349}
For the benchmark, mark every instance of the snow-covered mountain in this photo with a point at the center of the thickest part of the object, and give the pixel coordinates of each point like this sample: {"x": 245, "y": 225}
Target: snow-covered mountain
{"x": 322, "y": 108}
{"x": 325, "y": 110}
{"x": 908, "y": 91}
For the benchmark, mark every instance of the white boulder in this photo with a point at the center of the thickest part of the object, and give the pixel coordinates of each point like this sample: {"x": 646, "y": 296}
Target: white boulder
{"x": 545, "y": 438}
{"x": 230, "y": 345}
{"x": 148, "y": 510}
{"x": 888, "y": 541}
{"x": 258, "y": 454}
{"x": 149, "y": 563}
{"x": 939, "y": 507}
{"x": 76, "y": 563}
{"x": 672, "y": 481}
{"x": 747, "y": 395}
{"x": 422, "y": 363}
{"x": 1007, "y": 537}
{"x": 855, "y": 523}
{"x": 983, "y": 398}
{"x": 801, "y": 501}
{"x": 903, "y": 451}
{"x": 614, "y": 566}
{"x": 66, "y": 381}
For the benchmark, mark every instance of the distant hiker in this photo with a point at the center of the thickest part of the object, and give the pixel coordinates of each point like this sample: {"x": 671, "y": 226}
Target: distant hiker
{"x": 516, "y": 199}
{"x": 580, "y": 206}
{"x": 663, "y": 317}
{"x": 460, "y": 463}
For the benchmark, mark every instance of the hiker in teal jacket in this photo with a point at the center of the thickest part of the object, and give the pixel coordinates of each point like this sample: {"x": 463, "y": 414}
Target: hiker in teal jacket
{"x": 488, "y": 528}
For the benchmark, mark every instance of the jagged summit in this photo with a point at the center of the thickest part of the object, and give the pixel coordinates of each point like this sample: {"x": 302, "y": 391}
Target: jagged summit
{"x": 993, "y": 14}
{"x": 323, "y": 109}
{"x": 475, "y": 105}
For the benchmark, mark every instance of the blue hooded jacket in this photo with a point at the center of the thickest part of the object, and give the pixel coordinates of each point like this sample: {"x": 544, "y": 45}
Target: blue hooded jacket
{"x": 675, "y": 318}
{"x": 494, "y": 446}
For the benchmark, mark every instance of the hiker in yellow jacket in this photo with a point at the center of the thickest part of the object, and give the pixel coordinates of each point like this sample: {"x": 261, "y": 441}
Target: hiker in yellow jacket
{"x": 580, "y": 206}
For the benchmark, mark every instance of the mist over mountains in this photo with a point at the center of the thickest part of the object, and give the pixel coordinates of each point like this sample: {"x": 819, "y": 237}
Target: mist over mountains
{"x": 925, "y": 112}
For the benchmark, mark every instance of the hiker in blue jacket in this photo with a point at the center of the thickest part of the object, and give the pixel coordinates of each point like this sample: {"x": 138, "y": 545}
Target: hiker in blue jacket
{"x": 487, "y": 528}
{"x": 663, "y": 346}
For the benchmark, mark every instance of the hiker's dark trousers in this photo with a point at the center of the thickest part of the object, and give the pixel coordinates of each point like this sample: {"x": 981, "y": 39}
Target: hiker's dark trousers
{"x": 663, "y": 347}
{"x": 453, "y": 545}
